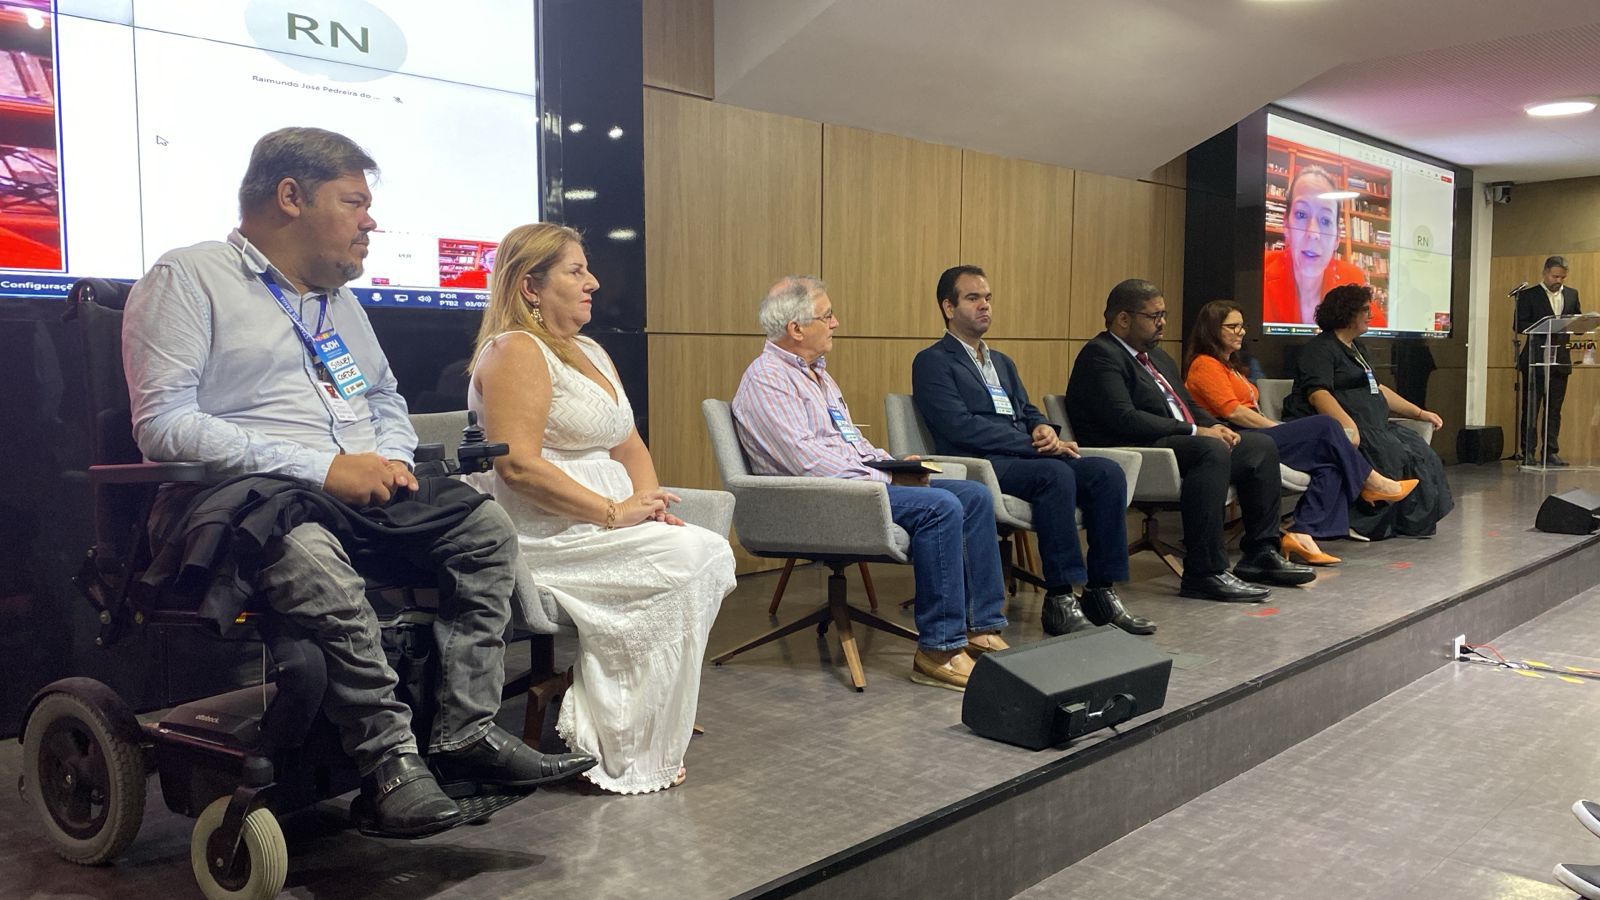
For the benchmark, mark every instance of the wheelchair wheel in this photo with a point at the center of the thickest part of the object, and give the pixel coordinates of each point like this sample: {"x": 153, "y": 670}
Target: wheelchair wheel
{"x": 259, "y": 868}
{"x": 84, "y": 778}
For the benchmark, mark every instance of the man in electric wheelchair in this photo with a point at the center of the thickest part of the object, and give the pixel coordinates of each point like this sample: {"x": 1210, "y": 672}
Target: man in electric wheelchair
{"x": 251, "y": 356}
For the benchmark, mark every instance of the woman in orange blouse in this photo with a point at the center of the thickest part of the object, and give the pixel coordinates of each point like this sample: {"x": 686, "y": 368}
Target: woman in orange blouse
{"x": 1315, "y": 445}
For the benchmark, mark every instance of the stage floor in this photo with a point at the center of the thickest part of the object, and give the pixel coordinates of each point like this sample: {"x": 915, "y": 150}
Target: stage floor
{"x": 795, "y": 766}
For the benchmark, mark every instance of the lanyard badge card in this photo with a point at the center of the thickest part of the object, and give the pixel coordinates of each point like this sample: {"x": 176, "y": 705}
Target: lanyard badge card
{"x": 329, "y": 349}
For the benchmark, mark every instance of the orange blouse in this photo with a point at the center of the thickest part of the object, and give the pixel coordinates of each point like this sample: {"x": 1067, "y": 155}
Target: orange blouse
{"x": 1218, "y": 387}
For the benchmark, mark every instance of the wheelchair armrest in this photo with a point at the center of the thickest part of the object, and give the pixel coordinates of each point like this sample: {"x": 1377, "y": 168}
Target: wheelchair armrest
{"x": 147, "y": 473}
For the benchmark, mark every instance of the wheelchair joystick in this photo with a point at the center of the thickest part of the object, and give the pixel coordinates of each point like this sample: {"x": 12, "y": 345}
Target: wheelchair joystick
{"x": 476, "y": 454}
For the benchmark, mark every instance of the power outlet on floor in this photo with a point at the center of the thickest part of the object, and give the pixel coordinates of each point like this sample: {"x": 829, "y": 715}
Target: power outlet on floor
{"x": 1458, "y": 647}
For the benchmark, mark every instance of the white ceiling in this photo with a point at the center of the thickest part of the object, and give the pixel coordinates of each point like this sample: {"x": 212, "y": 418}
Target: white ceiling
{"x": 1122, "y": 86}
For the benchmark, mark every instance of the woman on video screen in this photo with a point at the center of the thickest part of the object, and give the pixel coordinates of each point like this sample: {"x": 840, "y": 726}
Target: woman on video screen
{"x": 1297, "y": 276}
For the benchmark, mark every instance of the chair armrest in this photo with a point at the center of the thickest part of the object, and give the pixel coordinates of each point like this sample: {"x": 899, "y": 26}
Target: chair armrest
{"x": 147, "y": 473}
{"x": 711, "y": 510}
{"x": 1159, "y": 480}
{"x": 813, "y": 517}
{"x": 982, "y": 471}
{"x": 1423, "y": 429}
{"x": 1132, "y": 463}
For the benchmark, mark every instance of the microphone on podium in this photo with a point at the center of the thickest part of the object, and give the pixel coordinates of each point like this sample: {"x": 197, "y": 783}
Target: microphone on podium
{"x": 1517, "y": 290}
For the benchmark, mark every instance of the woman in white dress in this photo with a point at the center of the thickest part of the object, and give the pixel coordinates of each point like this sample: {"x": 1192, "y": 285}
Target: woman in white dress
{"x": 594, "y": 524}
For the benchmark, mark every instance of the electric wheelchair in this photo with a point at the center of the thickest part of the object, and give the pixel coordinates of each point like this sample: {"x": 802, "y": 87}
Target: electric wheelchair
{"x": 237, "y": 761}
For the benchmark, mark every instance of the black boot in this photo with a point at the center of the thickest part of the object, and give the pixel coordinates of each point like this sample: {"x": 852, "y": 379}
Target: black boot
{"x": 1104, "y": 607}
{"x": 401, "y": 799}
{"x": 500, "y": 760}
{"x": 1061, "y": 614}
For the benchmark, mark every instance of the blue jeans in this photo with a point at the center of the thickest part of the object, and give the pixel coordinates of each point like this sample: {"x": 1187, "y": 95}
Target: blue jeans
{"x": 956, "y": 557}
{"x": 1057, "y": 486}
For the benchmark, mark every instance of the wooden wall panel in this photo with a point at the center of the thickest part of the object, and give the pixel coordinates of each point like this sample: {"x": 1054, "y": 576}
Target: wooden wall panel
{"x": 732, "y": 202}
{"x": 1500, "y": 407}
{"x": 1550, "y": 217}
{"x": 1173, "y": 217}
{"x": 1016, "y": 222}
{"x": 891, "y": 214}
{"x": 1119, "y": 231}
{"x": 679, "y": 41}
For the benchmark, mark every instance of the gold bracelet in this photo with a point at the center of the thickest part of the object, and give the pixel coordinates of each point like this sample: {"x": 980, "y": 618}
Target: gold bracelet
{"x": 611, "y": 514}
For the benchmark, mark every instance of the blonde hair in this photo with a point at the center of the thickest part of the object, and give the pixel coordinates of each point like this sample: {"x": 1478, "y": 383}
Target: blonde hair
{"x": 527, "y": 251}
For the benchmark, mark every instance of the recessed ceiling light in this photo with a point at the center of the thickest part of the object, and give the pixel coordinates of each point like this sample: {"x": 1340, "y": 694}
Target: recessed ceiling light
{"x": 1570, "y": 107}
{"x": 615, "y": 133}
{"x": 575, "y": 127}
{"x": 1338, "y": 195}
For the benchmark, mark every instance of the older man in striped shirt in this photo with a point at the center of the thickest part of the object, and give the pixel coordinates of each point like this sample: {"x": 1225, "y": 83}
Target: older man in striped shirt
{"x": 792, "y": 420}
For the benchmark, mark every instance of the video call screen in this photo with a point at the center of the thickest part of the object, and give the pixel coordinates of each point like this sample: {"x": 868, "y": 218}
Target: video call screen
{"x": 1339, "y": 211}
{"x": 126, "y": 125}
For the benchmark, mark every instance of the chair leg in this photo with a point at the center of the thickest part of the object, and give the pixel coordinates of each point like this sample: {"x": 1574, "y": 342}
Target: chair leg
{"x": 866, "y": 579}
{"x": 1008, "y": 570}
{"x": 1150, "y": 539}
{"x": 783, "y": 582}
{"x": 819, "y": 616}
{"x": 847, "y": 637}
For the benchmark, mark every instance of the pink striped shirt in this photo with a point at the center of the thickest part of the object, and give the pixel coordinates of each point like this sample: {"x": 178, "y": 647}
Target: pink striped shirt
{"x": 784, "y": 422}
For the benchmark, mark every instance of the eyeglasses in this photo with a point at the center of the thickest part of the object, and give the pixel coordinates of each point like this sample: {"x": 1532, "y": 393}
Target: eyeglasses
{"x": 1155, "y": 316}
{"x": 827, "y": 316}
{"x": 1237, "y": 328}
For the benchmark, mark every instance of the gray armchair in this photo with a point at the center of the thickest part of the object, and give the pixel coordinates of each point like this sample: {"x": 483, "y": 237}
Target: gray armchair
{"x": 835, "y": 521}
{"x": 1159, "y": 488}
{"x": 1276, "y": 390}
{"x": 908, "y": 435}
{"x": 711, "y": 510}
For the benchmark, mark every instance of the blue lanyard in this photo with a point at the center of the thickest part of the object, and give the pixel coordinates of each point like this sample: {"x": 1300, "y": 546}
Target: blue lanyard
{"x": 299, "y": 326}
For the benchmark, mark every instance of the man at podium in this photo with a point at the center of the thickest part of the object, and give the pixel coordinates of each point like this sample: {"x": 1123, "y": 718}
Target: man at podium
{"x": 1550, "y": 297}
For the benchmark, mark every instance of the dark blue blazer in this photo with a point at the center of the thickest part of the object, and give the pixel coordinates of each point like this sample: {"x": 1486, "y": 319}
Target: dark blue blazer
{"x": 954, "y": 401}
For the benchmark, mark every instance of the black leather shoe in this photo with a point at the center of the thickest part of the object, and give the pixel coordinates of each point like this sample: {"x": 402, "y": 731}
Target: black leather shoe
{"x": 1269, "y": 567}
{"x": 1061, "y": 614}
{"x": 400, "y": 798}
{"x": 500, "y": 760}
{"x": 1551, "y": 459}
{"x": 1223, "y": 587}
{"x": 1104, "y": 607}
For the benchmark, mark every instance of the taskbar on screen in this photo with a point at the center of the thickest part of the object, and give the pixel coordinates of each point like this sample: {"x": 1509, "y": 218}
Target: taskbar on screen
{"x": 55, "y": 287}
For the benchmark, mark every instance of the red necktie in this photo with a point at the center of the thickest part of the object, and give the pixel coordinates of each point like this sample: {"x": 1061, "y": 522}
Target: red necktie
{"x": 1144, "y": 360}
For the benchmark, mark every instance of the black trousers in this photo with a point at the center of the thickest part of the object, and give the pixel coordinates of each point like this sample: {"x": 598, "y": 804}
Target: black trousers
{"x": 1208, "y": 467}
{"x": 1533, "y": 396}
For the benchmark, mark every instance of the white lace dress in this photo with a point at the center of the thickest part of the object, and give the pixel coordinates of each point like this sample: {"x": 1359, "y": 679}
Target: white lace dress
{"x": 643, "y": 597}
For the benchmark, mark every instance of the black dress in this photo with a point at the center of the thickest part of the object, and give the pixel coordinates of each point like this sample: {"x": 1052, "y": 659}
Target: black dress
{"x": 1398, "y": 452}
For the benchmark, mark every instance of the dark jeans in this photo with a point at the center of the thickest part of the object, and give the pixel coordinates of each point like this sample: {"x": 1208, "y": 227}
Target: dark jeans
{"x": 1208, "y": 466}
{"x": 1058, "y": 486}
{"x": 956, "y": 557}
{"x": 307, "y": 579}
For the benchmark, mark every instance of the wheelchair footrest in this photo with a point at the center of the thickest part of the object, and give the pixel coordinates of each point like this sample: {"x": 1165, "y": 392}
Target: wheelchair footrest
{"x": 477, "y": 808}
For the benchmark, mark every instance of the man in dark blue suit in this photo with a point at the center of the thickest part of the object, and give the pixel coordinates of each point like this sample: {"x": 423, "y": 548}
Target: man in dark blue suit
{"x": 974, "y": 405}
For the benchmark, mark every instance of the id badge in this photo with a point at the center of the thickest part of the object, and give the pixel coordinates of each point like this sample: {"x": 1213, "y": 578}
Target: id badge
{"x": 1372, "y": 383}
{"x": 1002, "y": 403}
{"x": 340, "y": 365}
{"x": 338, "y": 406}
{"x": 846, "y": 430}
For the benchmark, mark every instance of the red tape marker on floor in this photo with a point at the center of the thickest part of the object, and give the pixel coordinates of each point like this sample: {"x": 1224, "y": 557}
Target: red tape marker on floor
{"x": 1259, "y": 613}
{"x": 1400, "y": 565}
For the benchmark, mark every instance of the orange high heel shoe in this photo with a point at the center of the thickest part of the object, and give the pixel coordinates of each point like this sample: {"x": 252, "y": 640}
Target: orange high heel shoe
{"x": 1406, "y": 487}
{"x": 1291, "y": 548}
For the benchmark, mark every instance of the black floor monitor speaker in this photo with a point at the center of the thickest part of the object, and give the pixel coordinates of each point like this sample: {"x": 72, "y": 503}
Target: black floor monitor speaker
{"x": 1478, "y": 444}
{"x": 1044, "y": 694}
{"x": 1570, "y": 512}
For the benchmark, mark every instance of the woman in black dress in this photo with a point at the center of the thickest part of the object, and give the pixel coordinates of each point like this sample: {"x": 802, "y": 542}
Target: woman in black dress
{"x": 1336, "y": 379}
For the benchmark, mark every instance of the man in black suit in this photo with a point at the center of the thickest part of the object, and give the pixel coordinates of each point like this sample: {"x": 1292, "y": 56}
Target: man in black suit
{"x": 1126, "y": 391}
{"x": 975, "y": 405}
{"x": 1550, "y": 297}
